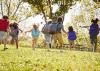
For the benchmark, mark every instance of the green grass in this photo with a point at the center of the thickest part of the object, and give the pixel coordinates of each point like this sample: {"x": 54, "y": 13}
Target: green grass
{"x": 26, "y": 59}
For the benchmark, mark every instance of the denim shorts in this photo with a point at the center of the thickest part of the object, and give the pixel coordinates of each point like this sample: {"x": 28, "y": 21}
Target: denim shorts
{"x": 13, "y": 35}
{"x": 48, "y": 38}
{"x": 3, "y": 35}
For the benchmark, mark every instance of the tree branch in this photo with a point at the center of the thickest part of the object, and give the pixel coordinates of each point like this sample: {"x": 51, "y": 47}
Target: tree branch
{"x": 1, "y": 8}
{"x": 17, "y": 8}
{"x": 23, "y": 19}
{"x": 9, "y": 8}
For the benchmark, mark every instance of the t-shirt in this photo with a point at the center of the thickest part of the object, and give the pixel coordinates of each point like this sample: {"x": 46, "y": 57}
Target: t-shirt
{"x": 94, "y": 29}
{"x": 59, "y": 27}
{"x": 4, "y": 25}
{"x": 72, "y": 35}
{"x": 35, "y": 33}
{"x": 14, "y": 29}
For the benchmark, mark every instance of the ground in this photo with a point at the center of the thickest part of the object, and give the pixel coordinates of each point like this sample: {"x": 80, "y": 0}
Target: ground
{"x": 40, "y": 59}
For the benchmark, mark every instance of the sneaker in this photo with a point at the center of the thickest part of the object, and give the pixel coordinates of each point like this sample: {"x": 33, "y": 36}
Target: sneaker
{"x": 5, "y": 49}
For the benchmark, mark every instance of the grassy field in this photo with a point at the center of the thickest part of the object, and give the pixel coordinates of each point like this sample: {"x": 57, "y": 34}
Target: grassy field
{"x": 26, "y": 59}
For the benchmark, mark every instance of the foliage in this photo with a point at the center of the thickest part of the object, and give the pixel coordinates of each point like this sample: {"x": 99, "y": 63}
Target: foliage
{"x": 39, "y": 5}
{"x": 64, "y": 5}
{"x": 15, "y": 10}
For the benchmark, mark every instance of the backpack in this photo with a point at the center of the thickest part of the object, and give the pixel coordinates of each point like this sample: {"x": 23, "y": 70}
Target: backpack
{"x": 35, "y": 33}
{"x": 45, "y": 28}
{"x": 14, "y": 31}
{"x": 53, "y": 28}
{"x": 72, "y": 35}
{"x": 94, "y": 30}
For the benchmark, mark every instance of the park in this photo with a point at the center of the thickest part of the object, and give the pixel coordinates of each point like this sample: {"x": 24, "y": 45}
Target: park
{"x": 26, "y": 45}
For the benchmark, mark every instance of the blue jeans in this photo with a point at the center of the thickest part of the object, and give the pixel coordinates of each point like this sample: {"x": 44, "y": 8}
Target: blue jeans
{"x": 48, "y": 39}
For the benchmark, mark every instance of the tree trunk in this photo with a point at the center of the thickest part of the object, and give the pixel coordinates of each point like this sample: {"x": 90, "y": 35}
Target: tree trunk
{"x": 9, "y": 8}
{"x": 44, "y": 15}
{"x": 17, "y": 8}
{"x": 49, "y": 2}
{"x": 1, "y": 8}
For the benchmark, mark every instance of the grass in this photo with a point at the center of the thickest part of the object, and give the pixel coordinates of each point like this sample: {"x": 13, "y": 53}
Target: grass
{"x": 26, "y": 59}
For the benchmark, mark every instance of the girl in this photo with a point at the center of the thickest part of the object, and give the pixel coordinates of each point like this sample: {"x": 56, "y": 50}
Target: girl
{"x": 93, "y": 32}
{"x": 71, "y": 36}
{"x": 14, "y": 32}
{"x": 35, "y": 34}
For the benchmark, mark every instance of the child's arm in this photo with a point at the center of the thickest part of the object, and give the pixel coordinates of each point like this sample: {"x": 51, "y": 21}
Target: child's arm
{"x": 28, "y": 31}
{"x": 20, "y": 30}
{"x": 64, "y": 31}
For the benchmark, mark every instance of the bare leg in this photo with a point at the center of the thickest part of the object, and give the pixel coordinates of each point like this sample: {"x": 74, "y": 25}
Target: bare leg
{"x": 33, "y": 43}
{"x": 16, "y": 40}
{"x": 5, "y": 42}
{"x": 12, "y": 41}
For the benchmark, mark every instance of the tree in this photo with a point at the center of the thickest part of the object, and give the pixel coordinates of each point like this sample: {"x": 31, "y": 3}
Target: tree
{"x": 37, "y": 6}
{"x": 15, "y": 10}
{"x": 44, "y": 6}
{"x": 64, "y": 6}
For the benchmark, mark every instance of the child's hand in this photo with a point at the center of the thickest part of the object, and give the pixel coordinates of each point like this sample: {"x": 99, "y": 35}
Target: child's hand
{"x": 25, "y": 32}
{"x": 21, "y": 31}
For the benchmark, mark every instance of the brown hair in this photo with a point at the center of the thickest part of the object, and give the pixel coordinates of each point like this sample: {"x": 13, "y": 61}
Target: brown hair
{"x": 35, "y": 26}
{"x": 60, "y": 19}
{"x": 95, "y": 21}
{"x": 70, "y": 28}
{"x": 5, "y": 17}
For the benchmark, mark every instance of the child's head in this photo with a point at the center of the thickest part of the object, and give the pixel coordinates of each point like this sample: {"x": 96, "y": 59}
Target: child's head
{"x": 70, "y": 28}
{"x": 95, "y": 20}
{"x": 35, "y": 26}
{"x": 60, "y": 19}
{"x": 5, "y": 17}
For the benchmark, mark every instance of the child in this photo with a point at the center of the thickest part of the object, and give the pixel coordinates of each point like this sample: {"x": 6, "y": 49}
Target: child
{"x": 71, "y": 36}
{"x": 35, "y": 34}
{"x": 4, "y": 26}
{"x": 14, "y": 32}
{"x": 93, "y": 32}
{"x": 46, "y": 33}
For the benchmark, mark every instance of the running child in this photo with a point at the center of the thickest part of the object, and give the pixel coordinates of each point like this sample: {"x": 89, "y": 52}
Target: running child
{"x": 35, "y": 34}
{"x": 71, "y": 36}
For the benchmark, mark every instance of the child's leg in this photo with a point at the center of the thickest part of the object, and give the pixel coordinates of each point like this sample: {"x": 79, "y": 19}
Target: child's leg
{"x": 71, "y": 44}
{"x": 95, "y": 44}
{"x": 12, "y": 41}
{"x": 46, "y": 40}
{"x": 5, "y": 43}
{"x": 33, "y": 43}
{"x": 16, "y": 40}
{"x": 60, "y": 40}
{"x": 54, "y": 37}
{"x": 34, "y": 40}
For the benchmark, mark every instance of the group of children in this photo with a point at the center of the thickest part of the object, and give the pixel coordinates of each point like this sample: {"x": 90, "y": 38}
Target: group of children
{"x": 57, "y": 36}
{"x": 52, "y": 31}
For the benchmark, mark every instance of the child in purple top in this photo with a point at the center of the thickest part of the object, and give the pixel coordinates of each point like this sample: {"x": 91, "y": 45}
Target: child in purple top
{"x": 71, "y": 36}
{"x": 93, "y": 32}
